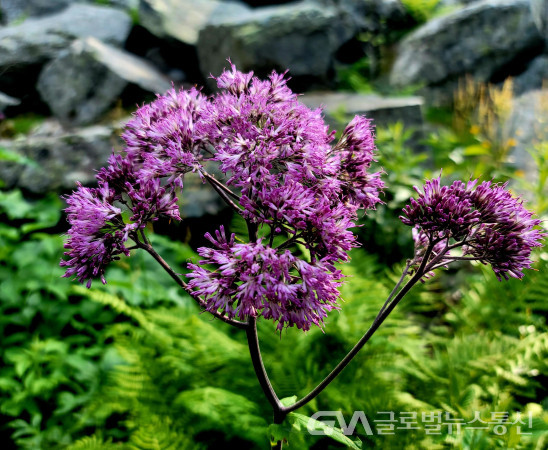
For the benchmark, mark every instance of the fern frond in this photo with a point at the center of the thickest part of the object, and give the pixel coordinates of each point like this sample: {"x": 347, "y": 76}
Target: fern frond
{"x": 94, "y": 442}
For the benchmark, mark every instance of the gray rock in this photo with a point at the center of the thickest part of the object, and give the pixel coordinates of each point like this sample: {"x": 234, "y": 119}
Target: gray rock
{"x": 58, "y": 160}
{"x": 14, "y": 10}
{"x": 6, "y": 100}
{"x": 300, "y": 36}
{"x": 373, "y": 15}
{"x": 527, "y": 123}
{"x": 184, "y": 19}
{"x": 456, "y": 3}
{"x": 37, "y": 40}
{"x": 383, "y": 110}
{"x": 83, "y": 82}
{"x": 478, "y": 39}
{"x": 539, "y": 11}
{"x": 534, "y": 76}
{"x": 52, "y": 160}
{"x": 197, "y": 198}
{"x": 127, "y": 5}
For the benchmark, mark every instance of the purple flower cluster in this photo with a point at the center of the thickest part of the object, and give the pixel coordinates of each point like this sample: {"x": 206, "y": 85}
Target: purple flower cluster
{"x": 287, "y": 180}
{"x": 142, "y": 182}
{"x": 255, "y": 279}
{"x": 96, "y": 236}
{"x": 485, "y": 221}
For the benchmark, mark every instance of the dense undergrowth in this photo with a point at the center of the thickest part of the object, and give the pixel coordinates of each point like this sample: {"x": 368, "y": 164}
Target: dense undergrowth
{"x": 134, "y": 364}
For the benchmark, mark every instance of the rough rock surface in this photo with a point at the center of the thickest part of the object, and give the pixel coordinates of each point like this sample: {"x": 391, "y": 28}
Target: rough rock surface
{"x": 6, "y": 100}
{"x": 300, "y": 36}
{"x": 383, "y": 110}
{"x": 35, "y": 40}
{"x": 528, "y": 122}
{"x": 26, "y": 47}
{"x": 478, "y": 39}
{"x": 539, "y": 11}
{"x": 183, "y": 19}
{"x": 373, "y": 15}
{"x": 83, "y": 82}
{"x": 59, "y": 160}
{"x": 534, "y": 77}
{"x": 13, "y": 10}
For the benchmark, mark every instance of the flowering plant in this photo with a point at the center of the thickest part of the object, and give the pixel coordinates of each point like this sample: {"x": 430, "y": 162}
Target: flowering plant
{"x": 287, "y": 178}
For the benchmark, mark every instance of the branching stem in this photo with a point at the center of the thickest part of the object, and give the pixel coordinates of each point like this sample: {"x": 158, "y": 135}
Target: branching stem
{"x": 258, "y": 365}
{"x": 383, "y": 314}
{"x": 224, "y": 192}
{"x": 145, "y": 245}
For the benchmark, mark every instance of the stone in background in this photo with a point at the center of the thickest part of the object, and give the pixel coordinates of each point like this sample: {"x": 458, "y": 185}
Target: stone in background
{"x": 479, "y": 40}
{"x": 534, "y": 76}
{"x": 81, "y": 84}
{"x": 184, "y": 19}
{"x": 41, "y": 38}
{"x": 14, "y": 10}
{"x": 301, "y": 36}
{"x": 26, "y": 47}
{"x": 539, "y": 11}
{"x": 59, "y": 158}
{"x": 382, "y": 110}
{"x": 528, "y": 122}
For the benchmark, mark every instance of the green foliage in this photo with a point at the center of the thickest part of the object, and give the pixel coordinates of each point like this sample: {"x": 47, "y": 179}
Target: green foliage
{"x": 22, "y": 124}
{"x": 297, "y": 424}
{"x": 356, "y": 77}
{"x": 383, "y": 233}
{"x": 134, "y": 364}
{"x": 51, "y": 353}
{"x": 10, "y": 156}
{"x": 420, "y": 10}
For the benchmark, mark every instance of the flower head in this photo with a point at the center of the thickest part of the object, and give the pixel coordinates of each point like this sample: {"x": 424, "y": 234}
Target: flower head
{"x": 442, "y": 210}
{"x": 508, "y": 231}
{"x": 282, "y": 175}
{"x": 355, "y": 152}
{"x": 256, "y": 280}
{"x": 486, "y": 221}
{"x": 96, "y": 237}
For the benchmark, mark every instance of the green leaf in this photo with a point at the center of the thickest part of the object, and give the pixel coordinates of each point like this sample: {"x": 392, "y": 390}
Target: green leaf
{"x": 221, "y": 409}
{"x": 301, "y": 424}
{"x": 288, "y": 401}
{"x": 11, "y": 156}
{"x": 476, "y": 150}
{"x": 8, "y": 384}
{"x": 14, "y": 205}
{"x": 279, "y": 432}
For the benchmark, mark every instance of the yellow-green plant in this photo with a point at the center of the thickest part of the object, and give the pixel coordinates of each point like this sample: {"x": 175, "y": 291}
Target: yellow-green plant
{"x": 420, "y": 10}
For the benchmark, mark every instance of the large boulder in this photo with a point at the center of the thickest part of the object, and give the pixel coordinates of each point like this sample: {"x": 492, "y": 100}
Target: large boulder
{"x": 528, "y": 124}
{"x": 83, "y": 82}
{"x": 52, "y": 159}
{"x": 56, "y": 160}
{"x": 183, "y": 20}
{"x": 302, "y": 37}
{"x": 534, "y": 77}
{"x": 383, "y": 110}
{"x": 539, "y": 10}
{"x": 375, "y": 16}
{"x": 13, "y": 10}
{"x": 479, "y": 40}
{"x": 24, "y": 48}
{"x": 35, "y": 40}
